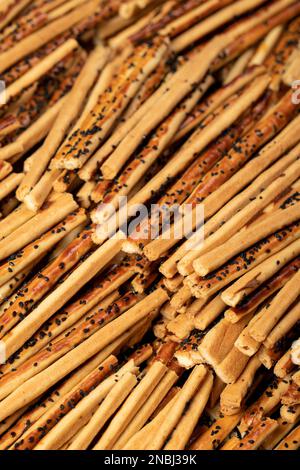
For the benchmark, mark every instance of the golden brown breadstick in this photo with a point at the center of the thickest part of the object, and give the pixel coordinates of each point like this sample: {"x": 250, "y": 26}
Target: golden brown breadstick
{"x": 244, "y": 239}
{"x": 33, "y": 135}
{"x": 39, "y": 247}
{"x": 183, "y": 431}
{"x": 216, "y": 433}
{"x": 10, "y": 183}
{"x": 237, "y": 291}
{"x": 65, "y": 118}
{"x": 262, "y": 293}
{"x": 42, "y": 381}
{"x": 188, "y": 391}
{"x": 291, "y": 441}
{"x": 53, "y": 213}
{"x": 276, "y": 309}
{"x": 254, "y": 437}
{"x": 5, "y": 169}
{"x": 147, "y": 409}
{"x": 283, "y": 327}
{"x": 219, "y": 341}
{"x": 41, "y": 69}
{"x": 45, "y": 34}
{"x": 107, "y": 408}
{"x": 279, "y": 145}
{"x": 131, "y": 406}
{"x": 234, "y": 394}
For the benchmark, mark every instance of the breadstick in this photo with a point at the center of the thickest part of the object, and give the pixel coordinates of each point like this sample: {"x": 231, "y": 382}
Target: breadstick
{"x": 181, "y": 159}
{"x": 234, "y": 394}
{"x": 45, "y": 34}
{"x": 243, "y": 240}
{"x": 131, "y": 406}
{"x": 11, "y": 9}
{"x": 34, "y": 134}
{"x": 115, "y": 99}
{"x": 109, "y": 405}
{"x": 242, "y": 287}
{"x": 216, "y": 433}
{"x": 209, "y": 104}
{"x": 283, "y": 327}
{"x": 44, "y": 281}
{"x": 5, "y": 169}
{"x": 252, "y": 301}
{"x": 40, "y": 246}
{"x": 232, "y": 366}
{"x": 266, "y": 46}
{"x": 36, "y": 198}
{"x": 186, "y": 425}
{"x": 212, "y": 23}
{"x": 40, "y": 69}
{"x": 179, "y": 85}
{"x": 147, "y": 409}
{"x": 209, "y": 312}
{"x": 257, "y": 435}
{"x": 260, "y": 29}
{"x": 234, "y": 211}
{"x": 194, "y": 15}
{"x": 219, "y": 341}
{"x": 284, "y": 366}
{"x": 37, "y": 225}
{"x": 264, "y": 405}
{"x": 277, "y": 435}
{"x": 10, "y": 183}
{"x": 188, "y": 390}
{"x": 42, "y": 381}
{"x": 73, "y": 420}
{"x": 140, "y": 439}
{"x": 291, "y": 441}
{"x": 84, "y": 82}
{"x": 239, "y": 66}
{"x": 60, "y": 393}
{"x": 218, "y": 198}
{"x": 275, "y": 310}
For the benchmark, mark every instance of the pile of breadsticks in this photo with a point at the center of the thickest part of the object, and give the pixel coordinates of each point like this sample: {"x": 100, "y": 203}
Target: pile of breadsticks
{"x": 159, "y": 339}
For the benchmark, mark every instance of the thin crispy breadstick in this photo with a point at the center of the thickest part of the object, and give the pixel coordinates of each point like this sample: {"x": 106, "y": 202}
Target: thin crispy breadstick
{"x": 213, "y": 22}
{"x": 36, "y": 198}
{"x": 239, "y": 66}
{"x": 188, "y": 390}
{"x": 283, "y": 142}
{"x": 131, "y": 406}
{"x": 216, "y": 433}
{"x": 40, "y": 246}
{"x": 283, "y": 327}
{"x": 266, "y": 46}
{"x": 40, "y": 69}
{"x": 45, "y": 34}
{"x": 235, "y": 293}
{"x": 82, "y": 85}
{"x": 107, "y": 408}
{"x": 34, "y": 134}
{"x": 186, "y": 425}
{"x": 42, "y": 381}
{"x": 10, "y": 183}
{"x": 234, "y": 394}
{"x": 147, "y": 409}
{"x": 179, "y": 85}
{"x": 37, "y": 225}
{"x": 243, "y": 240}
{"x": 290, "y": 442}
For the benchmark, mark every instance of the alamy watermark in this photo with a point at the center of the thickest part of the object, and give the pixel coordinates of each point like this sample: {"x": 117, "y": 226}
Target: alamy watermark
{"x": 139, "y": 222}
